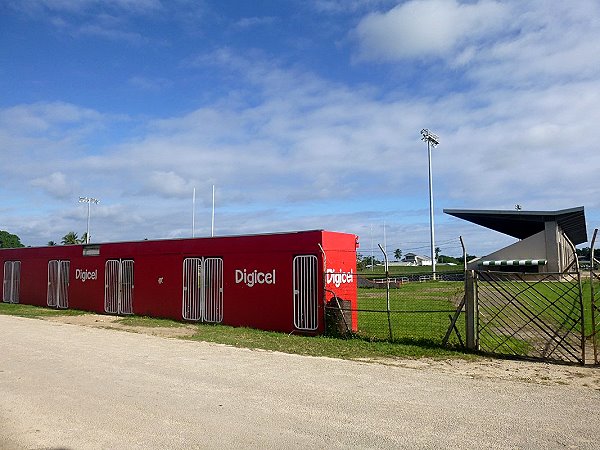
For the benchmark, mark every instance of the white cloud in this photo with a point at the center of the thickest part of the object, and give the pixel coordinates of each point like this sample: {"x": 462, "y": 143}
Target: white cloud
{"x": 510, "y": 43}
{"x": 426, "y": 28}
{"x": 553, "y": 45}
{"x": 168, "y": 184}
{"x": 347, "y": 6}
{"x": 83, "y": 6}
{"x": 281, "y": 143}
{"x": 55, "y": 184}
{"x": 38, "y": 117}
{"x": 105, "y": 19}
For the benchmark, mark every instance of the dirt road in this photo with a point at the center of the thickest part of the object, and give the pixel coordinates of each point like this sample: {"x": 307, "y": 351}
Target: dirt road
{"x": 77, "y": 387}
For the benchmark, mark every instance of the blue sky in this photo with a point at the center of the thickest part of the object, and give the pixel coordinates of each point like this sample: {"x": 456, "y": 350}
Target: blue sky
{"x": 303, "y": 114}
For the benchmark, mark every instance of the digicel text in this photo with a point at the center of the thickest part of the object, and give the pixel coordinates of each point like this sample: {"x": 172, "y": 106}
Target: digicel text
{"x": 254, "y": 277}
{"x": 338, "y": 278}
{"x": 82, "y": 274}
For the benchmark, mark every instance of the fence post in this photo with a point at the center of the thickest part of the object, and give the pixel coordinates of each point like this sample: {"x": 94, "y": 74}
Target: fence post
{"x": 595, "y": 306}
{"x": 471, "y": 311}
{"x": 387, "y": 290}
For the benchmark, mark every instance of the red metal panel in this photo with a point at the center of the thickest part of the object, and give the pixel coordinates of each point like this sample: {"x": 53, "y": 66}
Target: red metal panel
{"x": 340, "y": 250}
{"x": 257, "y": 274}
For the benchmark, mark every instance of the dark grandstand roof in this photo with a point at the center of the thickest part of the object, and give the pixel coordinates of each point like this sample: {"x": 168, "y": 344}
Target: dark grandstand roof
{"x": 522, "y": 224}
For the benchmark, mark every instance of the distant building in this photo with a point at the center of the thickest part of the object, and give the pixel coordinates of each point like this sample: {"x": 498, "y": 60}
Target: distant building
{"x": 547, "y": 239}
{"x": 412, "y": 259}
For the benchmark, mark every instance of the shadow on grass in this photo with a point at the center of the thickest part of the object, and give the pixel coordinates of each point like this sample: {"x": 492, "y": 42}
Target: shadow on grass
{"x": 426, "y": 343}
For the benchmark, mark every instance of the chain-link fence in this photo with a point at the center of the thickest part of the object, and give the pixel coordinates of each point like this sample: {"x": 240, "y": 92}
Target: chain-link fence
{"x": 538, "y": 315}
{"x": 409, "y": 309}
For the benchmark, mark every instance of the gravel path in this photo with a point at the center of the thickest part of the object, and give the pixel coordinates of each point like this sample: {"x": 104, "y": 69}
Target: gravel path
{"x": 81, "y": 387}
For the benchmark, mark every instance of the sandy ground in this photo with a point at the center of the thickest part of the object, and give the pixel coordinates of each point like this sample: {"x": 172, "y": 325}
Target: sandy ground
{"x": 481, "y": 368}
{"x": 84, "y": 387}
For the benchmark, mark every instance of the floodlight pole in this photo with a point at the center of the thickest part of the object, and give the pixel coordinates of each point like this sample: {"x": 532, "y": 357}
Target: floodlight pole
{"x": 432, "y": 140}
{"x": 212, "y": 220}
{"x": 89, "y": 201}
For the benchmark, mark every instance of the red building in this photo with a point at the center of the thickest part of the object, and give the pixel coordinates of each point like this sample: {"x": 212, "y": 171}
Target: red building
{"x": 276, "y": 282}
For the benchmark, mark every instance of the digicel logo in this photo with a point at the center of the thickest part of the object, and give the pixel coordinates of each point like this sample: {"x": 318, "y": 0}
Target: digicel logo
{"x": 338, "y": 278}
{"x": 254, "y": 277}
{"x": 83, "y": 274}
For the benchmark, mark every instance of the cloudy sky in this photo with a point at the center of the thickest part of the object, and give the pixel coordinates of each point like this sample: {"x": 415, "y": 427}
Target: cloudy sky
{"x": 303, "y": 114}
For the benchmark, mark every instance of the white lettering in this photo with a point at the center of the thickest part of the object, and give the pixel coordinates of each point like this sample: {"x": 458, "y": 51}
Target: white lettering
{"x": 340, "y": 277}
{"x": 239, "y": 276}
{"x": 254, "y": 277}
{"x": 83, "y": 275}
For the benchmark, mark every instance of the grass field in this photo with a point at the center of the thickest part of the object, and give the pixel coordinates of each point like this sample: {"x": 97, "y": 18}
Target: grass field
{"x": 379, "y": 271}
{"x": 36, "y": 311}
{"x": 419, "y": 319}
{"x": 355, "y": 348}
{"x": 531, "y": 318}
{"x": 419, "y": 312}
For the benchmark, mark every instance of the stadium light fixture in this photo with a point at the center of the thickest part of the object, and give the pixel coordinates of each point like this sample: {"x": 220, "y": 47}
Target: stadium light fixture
{"x": 89, "y": 201}
{"x": 432, "y": 141}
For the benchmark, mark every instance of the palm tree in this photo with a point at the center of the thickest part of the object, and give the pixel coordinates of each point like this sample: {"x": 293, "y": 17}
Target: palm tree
{"x": 51, "y": 243}
{"x": 70, "y": 238}
{"x": 397, "y": 254}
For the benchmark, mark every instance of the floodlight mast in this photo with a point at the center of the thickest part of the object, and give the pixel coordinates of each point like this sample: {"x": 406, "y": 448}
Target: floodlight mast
{"x": 89, "y": 201}
{"x": 432, "y": 140}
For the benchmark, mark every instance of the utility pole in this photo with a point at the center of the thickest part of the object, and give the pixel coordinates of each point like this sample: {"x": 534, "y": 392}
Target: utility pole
{"x": 89, "y": 201}
{"x": 432, "y": 141}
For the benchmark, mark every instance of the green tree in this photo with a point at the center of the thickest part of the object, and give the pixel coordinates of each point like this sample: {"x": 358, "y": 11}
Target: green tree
{"x": 8, "y": 240}
{"x": 70, "y": 238}
{"x": 364, "y": 262}
{"x": 450, "y": 259}
{"x": 437, "y": 251}
{"x": 51, "y": 243}
{"x": 586, "y": 252}
{"x": 398, "y": 254}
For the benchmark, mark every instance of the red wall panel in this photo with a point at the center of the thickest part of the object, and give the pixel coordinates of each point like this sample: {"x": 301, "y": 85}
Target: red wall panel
{"x": 257, "y": 274}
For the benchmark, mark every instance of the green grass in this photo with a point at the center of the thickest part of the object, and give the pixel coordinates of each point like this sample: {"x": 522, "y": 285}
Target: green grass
{"x": 12, "y": 309}
{"x": 587, "y": 305}
{"x": 508, "y": 328}
{"x": 505, "y": 345}
{"x": 419, "y": 311}
{"x": 553, "y": 301}
{"x": 352, "y": 348}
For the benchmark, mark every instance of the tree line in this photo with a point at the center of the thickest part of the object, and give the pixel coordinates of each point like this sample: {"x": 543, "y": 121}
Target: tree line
{"x": 9, "y": 240}
{"x": 71, "y": 238}
{"x": 364, "y": 261}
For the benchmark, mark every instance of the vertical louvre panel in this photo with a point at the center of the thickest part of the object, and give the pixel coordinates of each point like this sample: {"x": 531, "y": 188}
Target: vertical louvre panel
{"x": 126, "y": 291}
{"x": 118, "y": 286}
{"x": 11, "y": 284}
{"x": 203, "y": 289}
{"x": 213, "y": 290}
{"x": 62, "y": 300}
{"x": 7, "y": 283}
{"x": 305, "y": 292}
{"x": 58, "y": 283}
{"x": 16, "y": 282}
{"x": 192, "y": 269}
{"x": 111, "y": 286}
{"x": 52, "y": 283}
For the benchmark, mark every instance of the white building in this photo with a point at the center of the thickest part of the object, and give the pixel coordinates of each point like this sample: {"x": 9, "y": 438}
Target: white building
{"x": 546, "y": 239}
{"x": 412, "y": 259}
